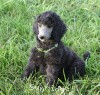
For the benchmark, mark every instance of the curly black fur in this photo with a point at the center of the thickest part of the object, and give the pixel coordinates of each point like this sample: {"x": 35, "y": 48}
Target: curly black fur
{"x": 58, "y": 61}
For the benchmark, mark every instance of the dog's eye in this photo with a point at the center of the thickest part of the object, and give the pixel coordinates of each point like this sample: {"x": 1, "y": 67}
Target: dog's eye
{"x": 39, "y": 24}
{"x": 51, "y": 21}
{"x": 49, "y": 26}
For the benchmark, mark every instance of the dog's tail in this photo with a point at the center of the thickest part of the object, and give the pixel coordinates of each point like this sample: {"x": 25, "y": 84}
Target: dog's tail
{"x": 86, "y": 56}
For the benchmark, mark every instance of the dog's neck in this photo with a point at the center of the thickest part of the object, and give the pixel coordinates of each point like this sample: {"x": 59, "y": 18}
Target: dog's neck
{"x": 46, "y": 45}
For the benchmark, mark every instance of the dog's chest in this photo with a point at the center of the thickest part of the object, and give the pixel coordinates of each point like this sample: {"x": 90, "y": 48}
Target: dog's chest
{"x": 44, "y": 59}
{"x": 51, "y": 57}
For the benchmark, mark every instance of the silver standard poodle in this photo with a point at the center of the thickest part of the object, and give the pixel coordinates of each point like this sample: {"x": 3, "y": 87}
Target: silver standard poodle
{"x": 50, "y": 56}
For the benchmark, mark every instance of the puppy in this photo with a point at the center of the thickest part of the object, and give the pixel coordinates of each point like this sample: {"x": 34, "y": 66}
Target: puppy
{"x": 50, "y": 56}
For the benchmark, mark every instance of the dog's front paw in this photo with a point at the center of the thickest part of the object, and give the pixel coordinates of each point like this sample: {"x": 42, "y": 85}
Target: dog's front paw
{"x": 24, "y": 75}
{"x": 50, "y": 82}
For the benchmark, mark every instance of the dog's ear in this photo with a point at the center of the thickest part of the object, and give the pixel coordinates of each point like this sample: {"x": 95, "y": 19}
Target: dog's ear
{"x": 35, "y": 28}
{"x": 59, "y": 29}
{"x": 35, "y": 25}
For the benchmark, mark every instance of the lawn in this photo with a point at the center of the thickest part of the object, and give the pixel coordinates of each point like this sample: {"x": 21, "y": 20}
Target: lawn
{"x": 82, "y": 18}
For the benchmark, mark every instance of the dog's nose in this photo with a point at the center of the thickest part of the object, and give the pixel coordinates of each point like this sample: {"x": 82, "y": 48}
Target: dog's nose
{"x": 42, "y": 37}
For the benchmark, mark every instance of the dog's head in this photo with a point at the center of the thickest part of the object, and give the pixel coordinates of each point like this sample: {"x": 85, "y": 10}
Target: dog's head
{"x": 49, "y": 26}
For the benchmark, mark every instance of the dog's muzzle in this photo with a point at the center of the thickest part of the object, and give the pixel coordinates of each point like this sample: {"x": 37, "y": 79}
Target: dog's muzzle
{"x": 44, "y": 33}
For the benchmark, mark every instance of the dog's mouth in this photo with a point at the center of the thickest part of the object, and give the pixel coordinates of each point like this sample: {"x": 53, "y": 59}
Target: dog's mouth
{"x": 44, "y": 39}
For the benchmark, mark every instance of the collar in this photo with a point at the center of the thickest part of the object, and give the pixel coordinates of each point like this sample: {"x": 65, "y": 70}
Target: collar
{"x": 48, "y": 50}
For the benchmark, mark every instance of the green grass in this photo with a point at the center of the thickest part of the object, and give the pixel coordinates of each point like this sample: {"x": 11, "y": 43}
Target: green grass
{"x": 16, "y": 40}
